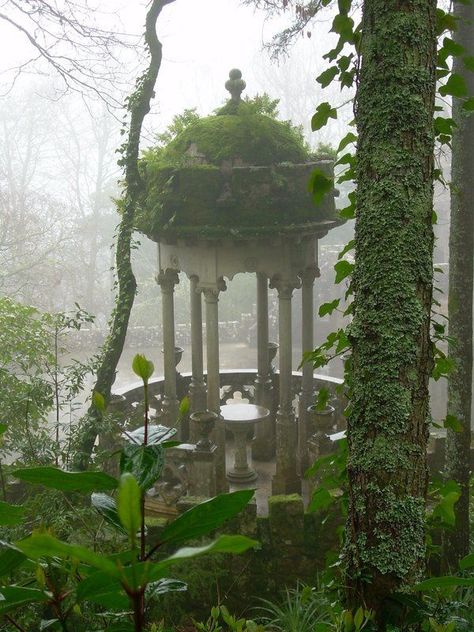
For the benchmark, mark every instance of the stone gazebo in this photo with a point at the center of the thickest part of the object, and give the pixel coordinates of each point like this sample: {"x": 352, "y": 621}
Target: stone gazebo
{"x": 229, "y": 194}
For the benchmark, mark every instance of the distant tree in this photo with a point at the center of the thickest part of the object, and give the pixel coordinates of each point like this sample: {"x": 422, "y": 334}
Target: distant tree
{"x": 138, "y": 105}
{"x": 461, "y": 269}
{"x": 69, "y": 38}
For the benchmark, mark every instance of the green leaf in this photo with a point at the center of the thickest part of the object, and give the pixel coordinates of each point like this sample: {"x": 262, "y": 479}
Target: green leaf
{"x": 12, "y": 597}
{"x": 164, "y": 586}
{"x": 328, "y": 308}
{"x": 347, "y": 248}
{"x": 467, "y": 562}
{"x": 322, "y": 399}
{"x": 99, "y": 401}
{"x": 435, "y": 583}
{"x": 142, "y": 367}
{"x": 54, "y": 478}
{"x": 323, "y": 113}
{"x": 319, "y": 184}
{"x": 184, "y": 406}
{"x": 468, "y": 62}
{"x": 145, "y": 462}
{"x": 452, "y": 48}
{"x": 455, "y": 86}
{"x": 206, "y": 516}
{"x": 128, "y": 504}
{"x": 107, "y": 507}
{"x": 343, "y": 269}
{"x": 444, "y": 125}
{"x": 468, "y": 105}
{"x": 344, "y": 26}
{"x": 347, "y": 140}
{"x": 453, "y": 423}
{"x": 223, "y": 544}
{"x": 3, "y": 428}
{"x": 444, "y": 22}
{"x": 326, "y": 77}
{"x": 359, "y": 618}
{"x": 100, "y": 588}
{"x": 321, "y": 499}
{"x": 157, "y": 435}
{"x": 449, "y": 493}
{"x": 10, "y": 558}
{"x": 40, "y": 545}
{"x": 10, "y": 515}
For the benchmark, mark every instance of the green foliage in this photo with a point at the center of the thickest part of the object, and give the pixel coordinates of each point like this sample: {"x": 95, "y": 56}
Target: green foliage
{"x": 220, "y": 619}
{"x": 33, "y": 382}
{"x": 68, "y": 575}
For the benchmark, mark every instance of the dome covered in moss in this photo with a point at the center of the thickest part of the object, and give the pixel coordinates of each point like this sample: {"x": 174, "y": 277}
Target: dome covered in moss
{"x": 239, "y": 171}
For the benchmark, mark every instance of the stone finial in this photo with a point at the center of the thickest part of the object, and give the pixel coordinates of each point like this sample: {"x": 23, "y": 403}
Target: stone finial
{"x": 235, "y": 84}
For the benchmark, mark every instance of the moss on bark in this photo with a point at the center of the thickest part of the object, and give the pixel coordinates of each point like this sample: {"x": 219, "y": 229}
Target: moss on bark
{"x": 392, "y": 355}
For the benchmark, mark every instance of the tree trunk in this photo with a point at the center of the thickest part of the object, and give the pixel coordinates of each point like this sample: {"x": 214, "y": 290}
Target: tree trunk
{"x": 138, "y": 106}
{"x": 390, "y": 332}
{"x": 461, "y": 262}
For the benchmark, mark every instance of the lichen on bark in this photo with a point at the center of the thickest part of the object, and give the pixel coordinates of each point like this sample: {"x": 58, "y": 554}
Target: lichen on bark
{"x": 392, "y": 282}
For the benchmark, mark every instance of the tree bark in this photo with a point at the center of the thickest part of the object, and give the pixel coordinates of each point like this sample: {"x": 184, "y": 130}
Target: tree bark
{"x": 390, "y": 332}
{"x": 461, "y": 262}
{"x": 138, "y": 105}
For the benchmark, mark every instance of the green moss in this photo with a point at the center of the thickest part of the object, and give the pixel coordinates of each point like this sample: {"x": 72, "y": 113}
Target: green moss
{"x": 254, "y": 138}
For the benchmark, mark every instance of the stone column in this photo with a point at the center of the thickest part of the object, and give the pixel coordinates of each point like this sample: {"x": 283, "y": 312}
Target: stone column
{"x": 263, "y": 447}
{"x": 211, "y": 296}
{"x": 286, "y": 480}
{"x": 197, "y": 388}
{"x": 307, "y": 344}
{"x": 167, "y": 280}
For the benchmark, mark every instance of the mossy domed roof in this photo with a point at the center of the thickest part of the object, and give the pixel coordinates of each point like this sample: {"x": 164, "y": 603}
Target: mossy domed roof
{"x": 238, "y": 170}
{"x": 253, "y": 139}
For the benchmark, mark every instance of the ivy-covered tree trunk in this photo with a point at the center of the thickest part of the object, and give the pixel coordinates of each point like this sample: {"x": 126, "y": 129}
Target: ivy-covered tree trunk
{"x": 461, "y": 262}
{"x": 138, "y": 106}
{"x": 390, "y": 332}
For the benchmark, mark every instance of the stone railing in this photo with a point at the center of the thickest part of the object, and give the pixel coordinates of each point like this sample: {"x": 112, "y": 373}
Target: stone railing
{"x": 191, "y": 469}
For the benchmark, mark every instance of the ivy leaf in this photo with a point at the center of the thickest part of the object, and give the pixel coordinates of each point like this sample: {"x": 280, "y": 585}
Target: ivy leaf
{"x": 319, "y": 184}
{"x": 347, "y": 140}
{"x": 347, "y": 248}
{"x": 453, "y": 423}
{"x": 320, "y": 500}
{"x": 444, "y": 125}
{"x": 326, "y": 77}
{"x": 343, "y": 25}
{"x": 323, "y": 113}
{"x": 468, "y": 105}
{"x": 452, "y": 48}
{"x": 444, "y": 22}
{"x": 468, "y": 62}
{"x": 328, "y": 308}
{"x": 343, "y": 270}
{"x": 455, "y": 87}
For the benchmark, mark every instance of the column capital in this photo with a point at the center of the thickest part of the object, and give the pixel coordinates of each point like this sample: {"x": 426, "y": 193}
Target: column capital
{"x": 309, "y": 274}
{"x": 167, "y": 280}
{"x": 211, "y": 294}
{"x": 284, "y": 286}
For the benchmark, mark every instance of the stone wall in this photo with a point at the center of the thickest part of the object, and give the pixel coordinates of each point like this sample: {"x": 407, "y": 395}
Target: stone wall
{"x": 293, "y": 548}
